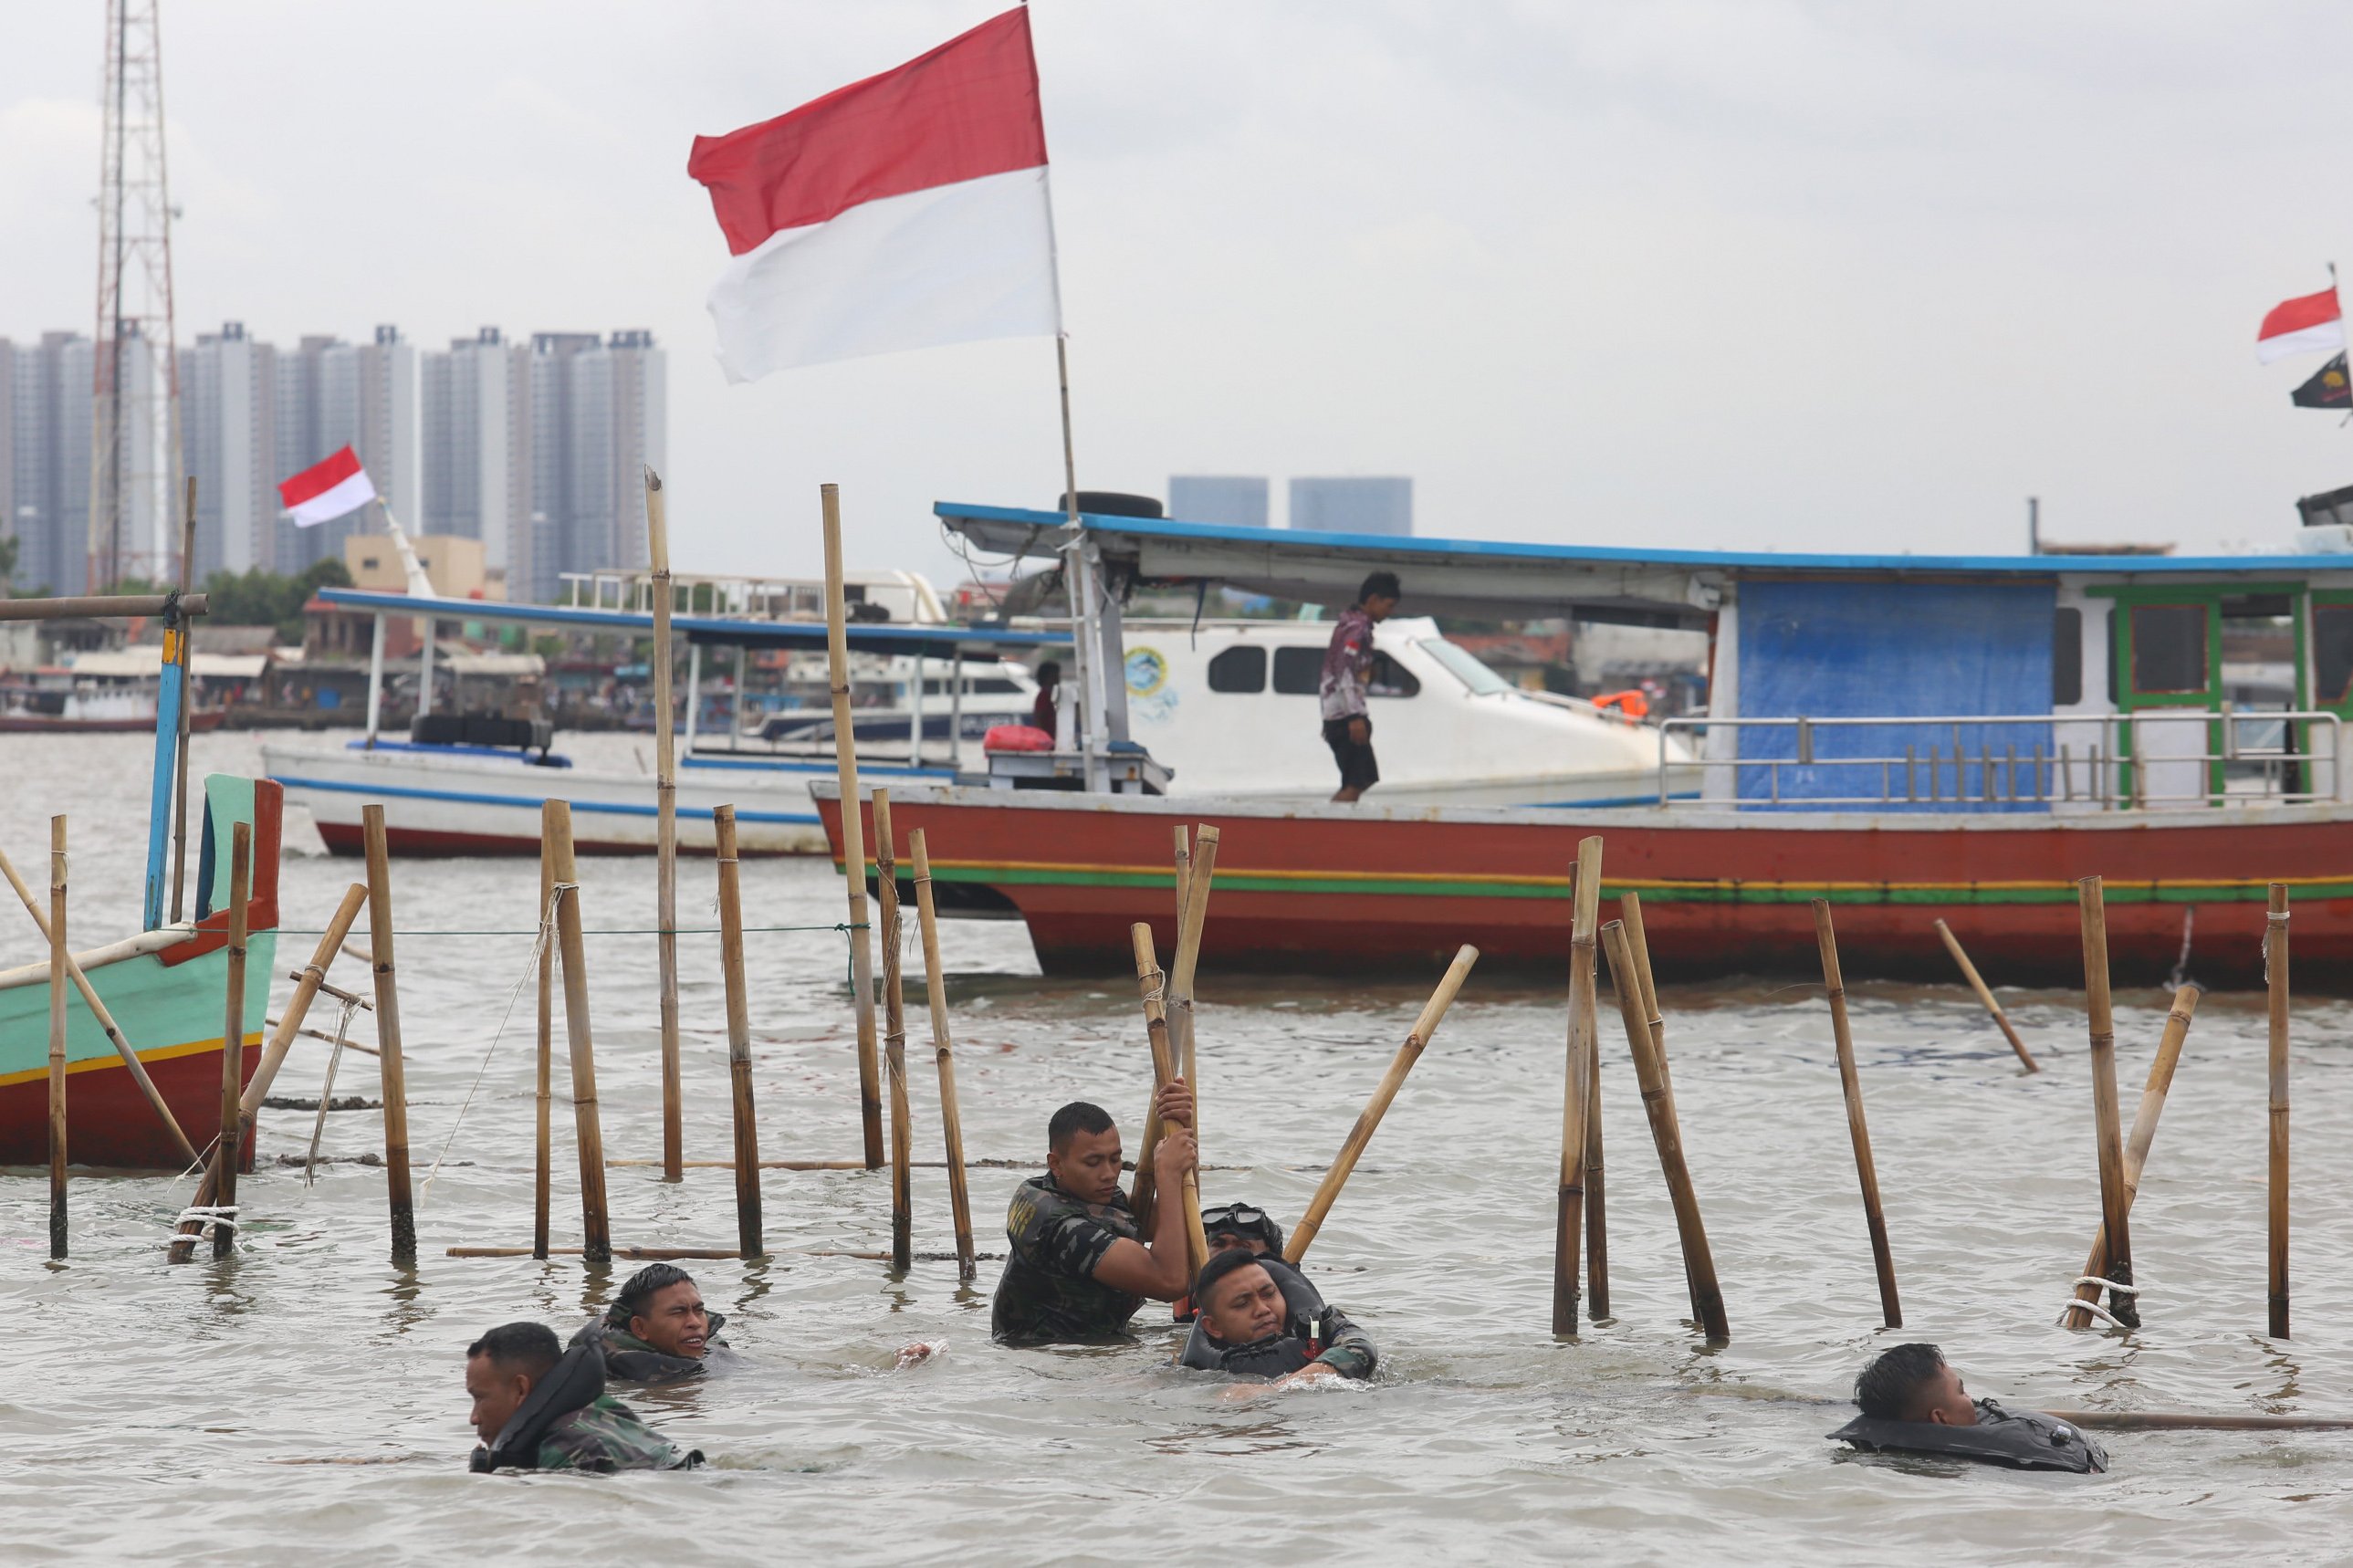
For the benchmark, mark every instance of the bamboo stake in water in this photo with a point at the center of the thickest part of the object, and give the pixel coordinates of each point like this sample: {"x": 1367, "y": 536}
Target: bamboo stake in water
{"x": 894, "y": 1042}
{"x": 1596, "y": 1222}
{"x": 739, "y": 1034}
{"x": 1194, "y": 921}
{"x": 1153, "y": 983}
{"x": 935, "y": 990}
{"x": 1985, "y": 995}
{"x": 2144, "y": 1135}
{"x": 1184, "y": 897}
{"x": 187, "y": 707}
{"x": 665, "y": 836}
{"x": 1866, "y": 1170}
{"x": 853, "y": 831}
{"x": 387, "y": 1034}
{"x": 1666, "y": 1132}
{"x": 57, "y": 959}
{"x": 542, "y": 1167}
{"x": 1630, "y": 905}
{"x": 2275, "y": 984}
{"x": 98, "y": 1010}
{"x": 2106, "y": 1113}
{"x": 231, "y": 1146}
{"x": 1433, "y": 1013}
{"x": 1569, "y": 1217}
{"x": 596, "y": 1224}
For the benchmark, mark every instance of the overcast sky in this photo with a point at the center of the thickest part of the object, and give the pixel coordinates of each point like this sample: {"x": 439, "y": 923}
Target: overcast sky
{"x": 1688, "y": 272}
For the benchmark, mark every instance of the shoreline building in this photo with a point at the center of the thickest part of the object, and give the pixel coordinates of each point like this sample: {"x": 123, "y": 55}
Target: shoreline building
{"x": 44, "y": 459}
{"x": 474, "y": 421}
{"x": 229, "y": 441}
{"x": 1236, "y": 502}
{"x": 331, "y": 394}
{"x": 1383, "y": 506}
{"x": 599, "y": 415}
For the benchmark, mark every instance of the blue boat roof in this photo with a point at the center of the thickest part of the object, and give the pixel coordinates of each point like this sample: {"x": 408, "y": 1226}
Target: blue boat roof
{"x": 865, "y": 636}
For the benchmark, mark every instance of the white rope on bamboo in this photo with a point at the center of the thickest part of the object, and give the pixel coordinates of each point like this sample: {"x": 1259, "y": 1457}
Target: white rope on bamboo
{"x": 530, "y": 966}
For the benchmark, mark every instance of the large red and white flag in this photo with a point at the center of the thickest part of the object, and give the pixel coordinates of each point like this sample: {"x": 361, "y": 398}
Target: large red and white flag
{"x": 325, "y": 491}
{"x": 2309, "y": 325}
{"x": 899, "y": 212}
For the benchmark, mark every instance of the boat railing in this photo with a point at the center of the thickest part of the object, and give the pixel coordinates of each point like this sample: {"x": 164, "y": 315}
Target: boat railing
{"x": 2156, "y": 758}
{"x": 747, "y": 598}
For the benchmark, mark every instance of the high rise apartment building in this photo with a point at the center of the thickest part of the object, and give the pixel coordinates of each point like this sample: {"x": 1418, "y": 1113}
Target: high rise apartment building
{"x": 474, "y": 422}
{"x": 228, "y": 436}
{"x": 598, "y": 416}
{"x": 1382, "y": 505}
{"x": 44, "y": 459}
{"x": 332, "y": 394}
{"x": 1203, "y": 497}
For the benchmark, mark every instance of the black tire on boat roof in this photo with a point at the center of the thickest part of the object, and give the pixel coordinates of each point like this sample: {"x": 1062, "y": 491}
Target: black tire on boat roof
{"x": 1112, "y": 503}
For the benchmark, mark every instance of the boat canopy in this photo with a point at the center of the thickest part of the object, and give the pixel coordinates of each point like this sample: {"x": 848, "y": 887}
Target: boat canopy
{"x": 1494, "y": 577}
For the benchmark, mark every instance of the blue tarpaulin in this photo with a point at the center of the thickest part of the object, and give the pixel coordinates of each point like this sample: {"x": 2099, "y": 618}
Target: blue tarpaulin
{"x": 1860, "y": 648}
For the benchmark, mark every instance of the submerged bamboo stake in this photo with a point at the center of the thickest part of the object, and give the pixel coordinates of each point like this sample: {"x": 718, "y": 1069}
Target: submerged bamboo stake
{"x": 894, "y": 1043}
{"x": 1866, "y": 1170}
{"x": 98, "y": 1010}
{"x": 1433, "y": 1013}
{"x": 1985, "y": 995}
{"x": 232, "y": 1141}
{"x": 739, "y": 1034}
{"x": 2106, "y": 1114}
{"x": 273, "y": 1054}
{"x": 2275, "y": 984}
{"x": 1629, "y": 906}
{"x": 853, "y": 831}
{"x": 1597, "y": 1223}
{"x": 2144, "y": 1135}
{"x": 935, "y": 992}
{"x": 1666, "y": 1132}
{"x": 387, "y": 1038}
{"x": 57, "y": 959}
{"x": 2198, "y": 1421}
{"x": 595, "y": 1226}
{"x": 1154, "y": 984}
{"x": 1569, "y": 1217}
{"x": 542, "y": 1155}
{"x": 665, "y": 834}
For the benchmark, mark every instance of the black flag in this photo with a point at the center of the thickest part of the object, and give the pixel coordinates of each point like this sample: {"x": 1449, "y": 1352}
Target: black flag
{"x": 2326, "y": 389}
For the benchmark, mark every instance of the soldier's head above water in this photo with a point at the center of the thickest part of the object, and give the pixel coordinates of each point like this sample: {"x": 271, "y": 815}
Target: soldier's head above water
{"x": 1914, "y": 1383}
{"x": 502, "y": 1369}
{"x": 1245, "y": 1227}
{"x": 1082, "y": 1152}
{"x": 660, "y": 1305}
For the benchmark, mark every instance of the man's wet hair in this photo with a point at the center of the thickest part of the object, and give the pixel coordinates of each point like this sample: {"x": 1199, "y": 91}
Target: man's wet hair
{"x": 1214, "y": 1271}
{"x": 530, "y": 1348}
{"x": 638, "y": 1290}
{"x": 1049, "y": 670}
{"x": 1383, "y": 583}
{"x": 1889, "y": 1388}
{"x": 1074, "y": 1118}
{"x": 1265, "y": 1230}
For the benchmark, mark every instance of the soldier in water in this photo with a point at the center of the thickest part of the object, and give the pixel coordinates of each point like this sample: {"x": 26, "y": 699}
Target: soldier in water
{"x": 1912, "y": 1402}
{"x": 657, "y": 1329}
{"x": 539, "y": 1407}
{"x": 1078, "y": 1268}
{"x": 1250, "y": 1325}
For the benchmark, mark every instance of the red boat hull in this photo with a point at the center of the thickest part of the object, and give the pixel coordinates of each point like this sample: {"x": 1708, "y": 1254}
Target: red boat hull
{"x": 1341, "y": 890}
{"x": 107, "y": 1121}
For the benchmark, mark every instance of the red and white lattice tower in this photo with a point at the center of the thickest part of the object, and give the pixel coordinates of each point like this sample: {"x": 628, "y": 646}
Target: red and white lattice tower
{"x": 135, "y": 430}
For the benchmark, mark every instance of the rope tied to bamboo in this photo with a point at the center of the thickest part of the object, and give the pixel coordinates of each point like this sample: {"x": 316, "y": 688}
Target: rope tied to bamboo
{"x": 530, "y": 968}
{"x": 350, "y": 1006}
{"x": 208, "y": 1219}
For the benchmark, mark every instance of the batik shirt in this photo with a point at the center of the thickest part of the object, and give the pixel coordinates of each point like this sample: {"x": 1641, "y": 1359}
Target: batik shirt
{"x": 605, "y": 1436}
{"x": 1048, "y": 1291}
{"x": 1347, "y": 665}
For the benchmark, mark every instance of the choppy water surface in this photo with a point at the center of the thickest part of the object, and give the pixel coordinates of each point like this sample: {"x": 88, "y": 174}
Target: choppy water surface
{"x": 168, "y": 1411}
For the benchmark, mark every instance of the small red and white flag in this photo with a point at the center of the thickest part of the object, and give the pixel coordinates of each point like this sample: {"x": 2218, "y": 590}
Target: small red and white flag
{"x": 899, "y": 212}
{"x": 327, "y": 491}
{"x": 2310, "y": 324}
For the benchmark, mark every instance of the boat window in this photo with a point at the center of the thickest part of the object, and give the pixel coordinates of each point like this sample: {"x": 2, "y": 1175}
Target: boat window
{"x": 1239, "y": 669}
{"x": 2168, "y": 650}
{"x": 2067, "y": 659}
{"x": 2332, "y": 651}
{"x": 975, "y": 686}
{"x": 1391, "y": 679}
{"x": 1464, "y": 666}
{"x": 1298, "y": 671}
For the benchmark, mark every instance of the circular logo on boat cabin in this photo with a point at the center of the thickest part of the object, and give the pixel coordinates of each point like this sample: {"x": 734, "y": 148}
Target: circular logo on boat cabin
{"x": 1147, "y": 672}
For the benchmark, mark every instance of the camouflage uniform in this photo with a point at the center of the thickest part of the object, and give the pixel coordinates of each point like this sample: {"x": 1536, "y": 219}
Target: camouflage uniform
{"x": 1048, "y": 1292}
{"x": 605, "y": 1436}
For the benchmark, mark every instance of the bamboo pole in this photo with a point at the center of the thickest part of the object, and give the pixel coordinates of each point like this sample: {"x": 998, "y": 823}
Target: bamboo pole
{"x": 1184, "y": 898}
{"x": 595, "y": 1226}
{"x": 187, "y": 707}
{"x": 1195, "y": 920}
{"x": 853, "y": 835}
{"x": 935, "y": 992}
{"x": 388, "y": 1035}
{"x": 1433, "y": 1013}
{"x": 1666, "y": 1132}
{"x": 102, "y": 606}
{"x": 665, "y": 834}
{"x": 739, "y": 1034}
{"x": 2275, "y": 978}
{"x": 629, "y": 1254}
{"x": 2106, "y": 1114}
{"x": 58, "y": 958}
{"x": 1569, "y": 1219}
{"x": 2197, "y": 1421}
{"x": 894, "y": 1043}
{"x": 227, "y": 1151}
{"x": 1866, "y": 1170}
{"x": 1985, "y": 995}
{"x": 1596, "y": 1223}
{"x": 1629, "y": 906}
{"x": 1153, "y": 983}
{"x": 98, "y": 1010}
{"x": 2144, "y": 1135}
{"x": 542, "y": 1149}
{"x": 273, "y": 1053}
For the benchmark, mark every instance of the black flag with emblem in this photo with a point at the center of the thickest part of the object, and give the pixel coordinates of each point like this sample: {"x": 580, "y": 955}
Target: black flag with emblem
{"x": 2326, "y": 389}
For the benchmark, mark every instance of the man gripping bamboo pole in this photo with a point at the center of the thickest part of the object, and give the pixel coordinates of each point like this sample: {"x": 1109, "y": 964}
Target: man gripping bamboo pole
{"x": 1154, "y": 983}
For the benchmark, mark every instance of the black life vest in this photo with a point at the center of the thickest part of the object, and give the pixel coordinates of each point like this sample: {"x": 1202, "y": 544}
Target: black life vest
{"x": 1304, "y": 1307}
{"x": 636, "y": 1362}
{"x": 573, "y": 1384}
{"x": 2020, "y": 1439}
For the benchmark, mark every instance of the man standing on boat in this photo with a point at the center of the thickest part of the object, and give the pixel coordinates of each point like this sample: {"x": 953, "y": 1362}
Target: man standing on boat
{"x": 1348, "y": 670}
